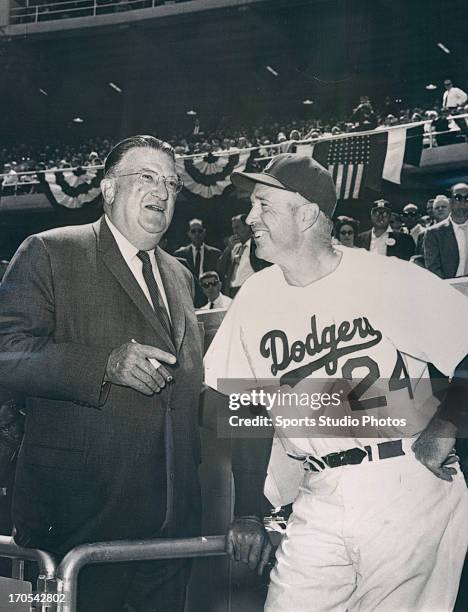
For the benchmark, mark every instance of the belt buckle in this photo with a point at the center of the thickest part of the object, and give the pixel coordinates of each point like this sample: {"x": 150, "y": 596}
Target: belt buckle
{"x": 336, "y": 459}
{"x": 354, "y": 456}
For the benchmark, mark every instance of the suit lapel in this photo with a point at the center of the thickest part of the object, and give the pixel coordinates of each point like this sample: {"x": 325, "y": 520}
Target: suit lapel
{"x": 451, "y": 245}
{"x": 174, "y": 292}
{"x": 114, "y": 261}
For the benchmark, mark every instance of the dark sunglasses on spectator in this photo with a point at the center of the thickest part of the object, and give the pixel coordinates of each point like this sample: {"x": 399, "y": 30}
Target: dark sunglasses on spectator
{"x": 413, "y": 213}
{"x": 459, "y": 197}
{"x": 209, "y": 284}
{"x": 347, "y": 232}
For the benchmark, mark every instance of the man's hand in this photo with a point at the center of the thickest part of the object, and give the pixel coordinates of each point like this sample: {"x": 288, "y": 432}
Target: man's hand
{"x": 248, "y": 541}
{"x": 129, "y": 366}
{"x": 434, "y": 448}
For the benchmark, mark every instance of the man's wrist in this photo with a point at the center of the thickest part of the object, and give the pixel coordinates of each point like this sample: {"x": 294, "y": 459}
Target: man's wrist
{"x": 251, "y": 517}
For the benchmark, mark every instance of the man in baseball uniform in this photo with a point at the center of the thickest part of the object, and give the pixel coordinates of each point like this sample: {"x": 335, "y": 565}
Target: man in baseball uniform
{"x": 379, "y": 519}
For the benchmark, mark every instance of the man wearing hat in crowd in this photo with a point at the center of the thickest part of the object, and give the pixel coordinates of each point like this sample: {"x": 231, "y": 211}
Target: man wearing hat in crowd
{"x": 381, "y": 239}
{"x": 412, "y": 217}
{"x": 379, "y": 516}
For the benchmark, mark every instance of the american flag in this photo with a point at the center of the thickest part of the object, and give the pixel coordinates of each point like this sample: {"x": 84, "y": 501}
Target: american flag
{"x": 347, "y": 161}
{"x": 357, "y": 162}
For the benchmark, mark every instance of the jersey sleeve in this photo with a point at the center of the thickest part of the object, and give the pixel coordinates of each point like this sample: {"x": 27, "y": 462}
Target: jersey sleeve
{"x": 227, "y": 357}
{"x": 424, "y": 316}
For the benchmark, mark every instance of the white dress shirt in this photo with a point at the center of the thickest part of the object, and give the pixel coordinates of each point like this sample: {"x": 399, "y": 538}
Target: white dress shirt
{"x": 222, "y": 301}
{"x": 379, "y": 245}
{"x": 454, "y": 97}
{"x": 243, "y": 269}
{"x": 129, "y": 253}
{"x": 417, "y": 229}
{"x": 202, "y": 257}
{"x": 461, "y": 235}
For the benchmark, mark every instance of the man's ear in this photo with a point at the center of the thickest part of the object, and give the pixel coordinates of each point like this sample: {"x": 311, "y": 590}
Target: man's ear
{"x": 309, "y": 215}
{"x": 108, "y": 188}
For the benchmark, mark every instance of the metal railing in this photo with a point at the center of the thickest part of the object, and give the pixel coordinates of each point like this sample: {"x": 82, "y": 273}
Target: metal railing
{"x": 62, "y": 580}
{"x": 120, "y": 551}
{"x": 34, "y": 11}
{"x": 47, "y": 567}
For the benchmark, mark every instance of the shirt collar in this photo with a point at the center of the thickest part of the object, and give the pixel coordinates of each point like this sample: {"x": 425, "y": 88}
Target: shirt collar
{"x": 386, "y": 232}
{"x": 458, "y": 226}
{"x": 128, "y": 250}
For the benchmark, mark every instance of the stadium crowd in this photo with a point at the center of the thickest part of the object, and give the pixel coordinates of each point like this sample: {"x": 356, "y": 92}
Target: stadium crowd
{"x": 21, "y": 158}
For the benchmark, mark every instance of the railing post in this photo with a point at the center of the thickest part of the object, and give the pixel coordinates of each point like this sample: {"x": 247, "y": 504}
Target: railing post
{"x": 37, "y": 13}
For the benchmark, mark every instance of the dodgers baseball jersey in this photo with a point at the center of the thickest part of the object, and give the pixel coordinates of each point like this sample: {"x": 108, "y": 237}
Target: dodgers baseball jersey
{"x": 374, "y": 323}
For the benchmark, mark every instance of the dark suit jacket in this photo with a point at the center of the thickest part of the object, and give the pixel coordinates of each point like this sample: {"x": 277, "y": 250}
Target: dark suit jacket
{"x": 92, "y": 464}
{"x": 210, "y": 257}
{"x": 403, "y": 248}
{"x": 441, "y": 250}
{"x": 226, "y": 266}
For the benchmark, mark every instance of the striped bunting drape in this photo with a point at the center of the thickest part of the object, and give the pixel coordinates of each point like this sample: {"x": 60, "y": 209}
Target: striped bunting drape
{"x": 208, "y": 176}
{"x": 72, "y": 188}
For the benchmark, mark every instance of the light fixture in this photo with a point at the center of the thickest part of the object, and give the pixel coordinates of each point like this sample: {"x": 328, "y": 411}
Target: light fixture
{"x": 78, "y": 120}
{"x": 115, "y": 87}
{"x": 307, "y": 102}
{"x": 272, "y": 70}
{"x": 43, "y": 92}
{"x": 192, "y": 113}
{"x": 431, "y": 87}
{"x": 443, "y": 47}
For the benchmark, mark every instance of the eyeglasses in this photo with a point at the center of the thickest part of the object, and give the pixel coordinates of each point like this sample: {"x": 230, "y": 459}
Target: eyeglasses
{"x": 458, "y": 197}
{"x": 413, "y": 213}
{"x": 209, "y": 284}
{"x": 151, "y": 179}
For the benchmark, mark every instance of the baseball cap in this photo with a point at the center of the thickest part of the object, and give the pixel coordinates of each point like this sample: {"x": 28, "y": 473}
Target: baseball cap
{"x": 381, "y": 205}
{"x": 297, "y": 173}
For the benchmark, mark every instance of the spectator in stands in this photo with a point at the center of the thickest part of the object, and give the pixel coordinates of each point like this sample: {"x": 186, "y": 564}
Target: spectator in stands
{"x": 199, "y": 257}
{"x": 211, "y": 286}
{"x": 441, "y": 208}
{"x": 430, "y": 209}
{"x": 238, "y": 263}
{"x": 446, "y": 243}
{"x": 454, "y": 99}
{"x": 381, "y": 239}
{"x": 364, "y": 116}
{"x": 346, "y": 230}
{"x": 411, "y": 218}
{"x": 396, "y": 222}
{"x": 10, "y": 179}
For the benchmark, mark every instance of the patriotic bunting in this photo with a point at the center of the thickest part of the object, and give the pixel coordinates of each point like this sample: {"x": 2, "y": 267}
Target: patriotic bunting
{"x": 208, "y": 176}
{"x": 72, "y": 188}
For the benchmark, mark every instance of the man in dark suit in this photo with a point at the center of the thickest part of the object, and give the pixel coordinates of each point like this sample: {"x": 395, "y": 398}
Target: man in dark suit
{"x": 239, "y": 262}
{"x": 381, "y": 239}
{"x": 199, "y": 257}
{"x": 446, "y": 243}
{"x": 97, "y": 328}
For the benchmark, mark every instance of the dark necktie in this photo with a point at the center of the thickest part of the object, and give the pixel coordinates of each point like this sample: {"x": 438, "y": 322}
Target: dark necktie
{"x": 211, "y": 305}
{"x": 155, "y": 294}
{"x": 197, "y": 262}
{"x": 160, "y": 310}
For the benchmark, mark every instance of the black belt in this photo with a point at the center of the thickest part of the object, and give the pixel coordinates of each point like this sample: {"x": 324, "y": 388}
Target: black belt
{"x": 352, "y": 456}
